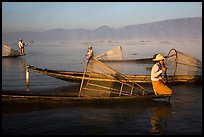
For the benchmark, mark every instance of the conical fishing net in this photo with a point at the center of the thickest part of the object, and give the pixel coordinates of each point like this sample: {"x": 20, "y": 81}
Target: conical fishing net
{"x": 7, "y": 51}
{"x": 179, "y": 63}
{"x": 100, "y": 80}
{"x": 113, "y": 54}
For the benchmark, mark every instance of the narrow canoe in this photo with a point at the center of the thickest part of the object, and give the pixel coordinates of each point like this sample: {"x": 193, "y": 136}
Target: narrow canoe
{"x": 13, "y": 56}
{"x": 138, "y": 61}
{"x": 73, "y": 76}
{"x": 66, "y": 99}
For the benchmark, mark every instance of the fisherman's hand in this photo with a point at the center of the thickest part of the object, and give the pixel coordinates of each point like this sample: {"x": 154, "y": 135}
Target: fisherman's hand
{"x": 164, "y": 69}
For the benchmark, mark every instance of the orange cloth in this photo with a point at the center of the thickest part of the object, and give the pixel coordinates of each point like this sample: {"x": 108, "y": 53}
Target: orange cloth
{"x": 160, "y": 88}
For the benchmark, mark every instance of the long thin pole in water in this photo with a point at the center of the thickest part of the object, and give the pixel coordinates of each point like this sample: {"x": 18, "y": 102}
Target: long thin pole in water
{"x": 27, "y": 78}
{"x": 83, "y": 79}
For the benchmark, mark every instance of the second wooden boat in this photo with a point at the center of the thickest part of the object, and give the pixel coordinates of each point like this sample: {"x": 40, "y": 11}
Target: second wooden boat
{"x": 74, "y": 76}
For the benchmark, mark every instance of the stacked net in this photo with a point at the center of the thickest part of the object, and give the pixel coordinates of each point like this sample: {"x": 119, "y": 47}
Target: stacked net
{"x": 113, "y": 54}
{"x": 100, "y": 80}
{"x": 179, "y": 63}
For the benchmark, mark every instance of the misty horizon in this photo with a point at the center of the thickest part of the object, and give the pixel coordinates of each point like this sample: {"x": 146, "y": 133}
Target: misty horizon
{"x": 102, "y": 26}
{"x": 182, "y": 28}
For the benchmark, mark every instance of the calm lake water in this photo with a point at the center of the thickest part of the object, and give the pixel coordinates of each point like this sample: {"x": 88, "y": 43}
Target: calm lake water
{"x": 182, "y": 116}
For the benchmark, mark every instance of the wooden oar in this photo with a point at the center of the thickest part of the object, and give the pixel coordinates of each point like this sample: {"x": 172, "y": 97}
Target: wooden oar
{"x": 165, "y": 74}
{"x": 166, "y": 83}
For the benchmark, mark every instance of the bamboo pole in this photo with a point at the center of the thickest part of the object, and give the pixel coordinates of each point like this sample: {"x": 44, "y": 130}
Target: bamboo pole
{"x": 121, "y": 88}
{"x": 132, "y": 88}
{"x": 27, "y": 78}
{"x": 82, "y": 80}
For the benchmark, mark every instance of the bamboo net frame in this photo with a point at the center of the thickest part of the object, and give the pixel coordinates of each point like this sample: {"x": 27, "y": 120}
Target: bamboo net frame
{"x": 122, "y": 86}
{"x": 179, "y": 63}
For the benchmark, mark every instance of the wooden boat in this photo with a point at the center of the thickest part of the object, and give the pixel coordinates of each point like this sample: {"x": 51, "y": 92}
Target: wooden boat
{"x": 6, "y": 98}
{"x": 13, "y": 56}
{"x": 138, "y": 61}
{"x": 97, "y": 91}
{"x": 73, "y": 76}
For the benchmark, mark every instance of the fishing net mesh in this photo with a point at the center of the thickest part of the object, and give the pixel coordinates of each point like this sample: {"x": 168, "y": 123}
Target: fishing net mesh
{"x": 179, "y": 63}
{"x": 7, "y": 51}
{"x": 100, "y": 80}
{"x": 113, "y": 54}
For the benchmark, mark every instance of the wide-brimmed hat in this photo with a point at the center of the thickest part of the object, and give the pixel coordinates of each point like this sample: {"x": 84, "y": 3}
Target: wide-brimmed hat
{"x": 158, "y": 57}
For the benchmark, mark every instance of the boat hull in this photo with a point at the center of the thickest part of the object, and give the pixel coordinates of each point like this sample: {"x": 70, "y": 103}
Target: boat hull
{"x": 64, "y": 99}
{"x": 73, "y": 76}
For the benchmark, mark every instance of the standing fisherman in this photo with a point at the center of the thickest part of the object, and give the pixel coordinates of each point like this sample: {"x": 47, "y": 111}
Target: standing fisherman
{"x": 21, "y": 45}
{"x": 156, "y": 76}
{"x": 89, "y": 54}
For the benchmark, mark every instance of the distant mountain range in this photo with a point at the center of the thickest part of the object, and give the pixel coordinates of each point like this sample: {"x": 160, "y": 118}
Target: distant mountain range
{"x": 182, "y": 28}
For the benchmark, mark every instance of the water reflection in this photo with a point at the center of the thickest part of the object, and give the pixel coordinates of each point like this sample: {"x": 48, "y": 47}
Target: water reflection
{"x": 22, "y": 65}
{"x": 159, "y": 119}
{"x": 122, "y": 118}
{"x": 13, "y": 72}
{"x": 99, "y": 118}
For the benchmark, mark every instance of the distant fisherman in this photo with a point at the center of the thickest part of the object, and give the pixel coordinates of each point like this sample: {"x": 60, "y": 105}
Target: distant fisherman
{"x": 156, "y": 76}
{"x": 22, "y": 45}
{"x": 89, "y": 54}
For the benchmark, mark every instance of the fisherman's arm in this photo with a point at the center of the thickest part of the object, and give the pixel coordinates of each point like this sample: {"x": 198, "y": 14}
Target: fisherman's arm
{"x": 156, "y": 73}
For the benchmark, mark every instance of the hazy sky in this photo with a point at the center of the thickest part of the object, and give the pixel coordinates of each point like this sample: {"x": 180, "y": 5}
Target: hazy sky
{"x": 41, "y": 16}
